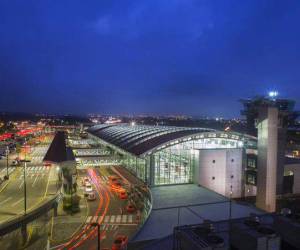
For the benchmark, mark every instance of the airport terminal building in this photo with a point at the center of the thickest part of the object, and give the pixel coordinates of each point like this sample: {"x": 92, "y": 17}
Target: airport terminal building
{"x": 164, "y": 155}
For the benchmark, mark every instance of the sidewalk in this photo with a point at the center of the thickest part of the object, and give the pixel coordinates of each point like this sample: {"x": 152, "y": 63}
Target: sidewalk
{"x": 65, "y": 225}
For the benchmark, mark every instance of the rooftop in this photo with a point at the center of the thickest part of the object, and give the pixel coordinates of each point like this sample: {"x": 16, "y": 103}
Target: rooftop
{"x": 58, "y": 150}
{"x": 195, "y": 204}
{"x": 141, "y": 139}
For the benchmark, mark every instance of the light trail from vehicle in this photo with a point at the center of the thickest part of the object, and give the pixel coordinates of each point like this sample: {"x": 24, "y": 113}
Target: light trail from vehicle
{"x": 103, "y": 191}
{"x": 89, "y": 231}
{"x": 86, "y": 227}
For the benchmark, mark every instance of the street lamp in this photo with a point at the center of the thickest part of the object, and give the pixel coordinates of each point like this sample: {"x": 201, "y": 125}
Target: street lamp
{"x": 24, "y": 176}
{"x": 96, "y": 224}
{"x": 7, "y": 152}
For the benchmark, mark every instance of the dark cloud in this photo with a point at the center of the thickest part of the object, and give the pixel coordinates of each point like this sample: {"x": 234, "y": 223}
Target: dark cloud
{"x": 155, "y": 56}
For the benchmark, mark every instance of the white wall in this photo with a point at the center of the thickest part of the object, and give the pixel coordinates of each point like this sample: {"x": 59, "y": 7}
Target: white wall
{"x": 234, "y": 172}
{"x": 228, "y": 162}
{"x": 267, "y": 158}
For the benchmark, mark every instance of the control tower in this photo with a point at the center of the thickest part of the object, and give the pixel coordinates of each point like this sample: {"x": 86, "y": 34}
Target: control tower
{"x": 267, "y": 147}
{"x": 268, "y": 118}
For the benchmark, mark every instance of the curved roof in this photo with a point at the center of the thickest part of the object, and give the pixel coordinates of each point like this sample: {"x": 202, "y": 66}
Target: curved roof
{"x": 140, "y": 139}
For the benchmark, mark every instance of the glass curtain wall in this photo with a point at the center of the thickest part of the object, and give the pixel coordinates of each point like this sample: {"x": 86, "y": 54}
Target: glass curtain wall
{"x": 173, "y": 165}
{"x": 176, "y": 164}
{"x": 135, "y": 165}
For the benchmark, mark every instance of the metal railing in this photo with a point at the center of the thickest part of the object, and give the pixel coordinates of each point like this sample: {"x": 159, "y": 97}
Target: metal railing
{"x": 12, "y": 225}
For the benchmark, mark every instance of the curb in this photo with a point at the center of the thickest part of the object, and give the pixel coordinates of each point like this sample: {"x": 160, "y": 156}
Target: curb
{"x": 76, "y": 231}
{"x": 5, "y": 185}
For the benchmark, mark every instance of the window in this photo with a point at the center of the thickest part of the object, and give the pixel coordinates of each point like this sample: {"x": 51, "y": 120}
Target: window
{"x": 251, "y": 177}
{"x": 213, "y": 178}
{"x": 232, "y": 160}
{"x": 214, "y": 161}
{"x": 251, "y": 162}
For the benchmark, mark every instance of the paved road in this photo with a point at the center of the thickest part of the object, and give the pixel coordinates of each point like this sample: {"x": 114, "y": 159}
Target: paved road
{"x": 38, "y": 182}
{"x": 106, "y": 210}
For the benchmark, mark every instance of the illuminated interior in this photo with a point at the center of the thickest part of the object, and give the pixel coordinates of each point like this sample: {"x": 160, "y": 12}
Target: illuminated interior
{"x": 160, "y": 155}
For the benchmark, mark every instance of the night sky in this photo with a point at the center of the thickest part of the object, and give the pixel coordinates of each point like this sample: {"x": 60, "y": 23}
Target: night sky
{"x": 146, "y": 57}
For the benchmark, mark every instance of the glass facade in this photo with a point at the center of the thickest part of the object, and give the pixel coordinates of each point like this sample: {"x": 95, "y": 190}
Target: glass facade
{"x": 135, "y": 165}
{"x": 173, "y": 163}
{"x": 176, "y": 164}
{"x": 251, "y": 177}
{"x": 251, "y": 171}
{"x": 251, "y": 161}
{"x": 173, "y": 167}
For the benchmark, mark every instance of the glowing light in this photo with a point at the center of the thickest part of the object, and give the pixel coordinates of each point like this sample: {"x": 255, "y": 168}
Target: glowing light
{"x": 227, "y": 128}
{"x": 273, "y": 94}
{"x": 132, "y": 123}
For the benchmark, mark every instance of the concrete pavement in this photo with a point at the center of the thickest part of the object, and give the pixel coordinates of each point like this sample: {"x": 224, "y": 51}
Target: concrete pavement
{"x": 39, "y": 180}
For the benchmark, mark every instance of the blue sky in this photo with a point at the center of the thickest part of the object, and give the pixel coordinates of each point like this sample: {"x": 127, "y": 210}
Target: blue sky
{"x": 146, "y": 57}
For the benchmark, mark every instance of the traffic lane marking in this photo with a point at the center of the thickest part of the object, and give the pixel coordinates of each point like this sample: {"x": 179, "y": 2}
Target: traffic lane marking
{"x": 21, "y": 185}
{"x": 6, "y": 200}
{"x": 17, "y": 202}
{"x": 35, "y": 180}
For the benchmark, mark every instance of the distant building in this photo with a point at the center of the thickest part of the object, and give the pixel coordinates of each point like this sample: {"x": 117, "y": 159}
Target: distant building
{"x": 285, "y": 107}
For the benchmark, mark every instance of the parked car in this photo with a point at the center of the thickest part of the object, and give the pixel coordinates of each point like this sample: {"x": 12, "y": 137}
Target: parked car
{"x": 130, "y": 208}
{"x": 120, "y": 242}
{"x": 116, "y": 184}
{"x": 14, "y": 163}
{"x": 88, "y": 189}
{"x": 91, "y": 196}
{"x": 113, "y": 179}
{"x": 123, "y": 195}
{"x": 85, "y": 181}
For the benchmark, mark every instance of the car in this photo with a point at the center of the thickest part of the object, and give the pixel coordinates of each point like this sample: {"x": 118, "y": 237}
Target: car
{"x": 116, "y": 186}
{"x": 14, "y": 163}
{"x": 130, "y": 208}
{"x": 120, "y": 242}
{"x": 123, "y": 195}
{"x": 91, "y": 196}
{"x": 85, "y": 181}
{"x": 113, "y": 178}
{"x": 88, "y": 188}
{"x": 47, "y": 164}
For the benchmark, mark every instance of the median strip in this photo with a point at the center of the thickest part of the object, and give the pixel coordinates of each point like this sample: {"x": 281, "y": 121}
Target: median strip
{"x": 14, "y": 204}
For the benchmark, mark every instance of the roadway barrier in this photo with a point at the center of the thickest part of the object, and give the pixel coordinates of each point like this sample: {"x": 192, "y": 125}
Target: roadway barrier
{"x": 145, "y": 214}
{"x": 22, "y": 221}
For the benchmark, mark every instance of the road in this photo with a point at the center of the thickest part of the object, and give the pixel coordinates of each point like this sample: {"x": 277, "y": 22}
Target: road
{"x": 39, "y": 179}
{"x": 106, "y": 210}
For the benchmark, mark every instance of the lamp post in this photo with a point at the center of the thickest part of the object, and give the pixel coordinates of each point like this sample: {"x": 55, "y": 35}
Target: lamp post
{"x": 24, "y": 176}
{"x": 7, "y": 152}
{"x": 96, "y": 224}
